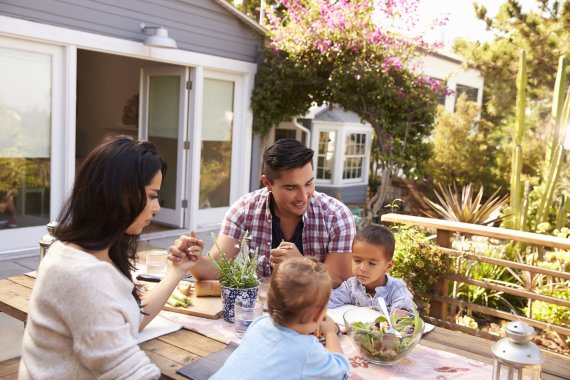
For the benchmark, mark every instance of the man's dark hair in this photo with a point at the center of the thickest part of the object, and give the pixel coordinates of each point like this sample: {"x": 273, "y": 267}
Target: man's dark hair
{"x": 379, "y": 235}
{"x": 285, "y": 154}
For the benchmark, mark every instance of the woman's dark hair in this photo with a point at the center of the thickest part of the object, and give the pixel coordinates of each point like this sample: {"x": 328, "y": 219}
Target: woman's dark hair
{"x": 107, "y": 196}
{"x": 379, "y": 235}
{"x": 285, "y": 154}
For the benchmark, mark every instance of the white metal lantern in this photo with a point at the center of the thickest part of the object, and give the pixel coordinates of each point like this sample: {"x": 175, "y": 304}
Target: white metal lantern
{"x": 516, "y": 357}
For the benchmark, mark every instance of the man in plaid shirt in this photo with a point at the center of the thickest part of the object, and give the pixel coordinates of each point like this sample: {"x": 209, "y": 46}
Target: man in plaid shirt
{"x": 286, "y": 218}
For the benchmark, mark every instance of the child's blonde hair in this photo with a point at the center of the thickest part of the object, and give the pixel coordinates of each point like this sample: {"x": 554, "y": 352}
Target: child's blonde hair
{"x": 298, "y": 289}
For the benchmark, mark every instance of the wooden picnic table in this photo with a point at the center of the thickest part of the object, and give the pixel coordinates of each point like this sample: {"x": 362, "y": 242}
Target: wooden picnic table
{"x": 172, "y": 351}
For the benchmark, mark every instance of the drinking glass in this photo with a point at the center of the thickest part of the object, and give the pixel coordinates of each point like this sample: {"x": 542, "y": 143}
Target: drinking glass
{"x": 263, "y": 290}
{"x": 246, "y": 310}
{"x": 156, "y": 262}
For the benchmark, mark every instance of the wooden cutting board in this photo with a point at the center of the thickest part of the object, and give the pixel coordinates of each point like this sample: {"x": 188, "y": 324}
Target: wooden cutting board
{"x": 204, "y": 307}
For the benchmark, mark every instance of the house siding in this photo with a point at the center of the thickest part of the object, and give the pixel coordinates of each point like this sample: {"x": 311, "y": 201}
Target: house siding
{"x": 200, "y": 26}
{"x": 348, "y": 194}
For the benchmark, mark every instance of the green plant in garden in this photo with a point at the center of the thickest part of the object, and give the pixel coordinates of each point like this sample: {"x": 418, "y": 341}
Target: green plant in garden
{"x": 238, "y": 272}
{"x": 465, "y": 207}
{"x": 551, "y": 313}
{"x": 419, "y": 262}
{"x": 518, "y": 215}
{"x": 530, "y": 208}
{"x": 457, "y": 138}
{"x": 484, "y": 272}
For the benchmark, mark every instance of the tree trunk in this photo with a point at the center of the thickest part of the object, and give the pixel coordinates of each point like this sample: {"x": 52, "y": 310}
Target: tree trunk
{"x": 374, "y": 205}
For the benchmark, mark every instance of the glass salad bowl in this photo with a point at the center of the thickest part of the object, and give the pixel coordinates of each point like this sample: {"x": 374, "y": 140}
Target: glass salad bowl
{"x": 367, "y": 328}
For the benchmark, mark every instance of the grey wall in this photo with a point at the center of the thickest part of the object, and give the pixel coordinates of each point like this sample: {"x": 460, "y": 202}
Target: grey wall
{"x": 348, "y": 194}
{"x": 200, "y": 26}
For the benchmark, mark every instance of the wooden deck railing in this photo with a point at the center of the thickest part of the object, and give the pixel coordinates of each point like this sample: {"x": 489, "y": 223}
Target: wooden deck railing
{"x": 443, "y": 306}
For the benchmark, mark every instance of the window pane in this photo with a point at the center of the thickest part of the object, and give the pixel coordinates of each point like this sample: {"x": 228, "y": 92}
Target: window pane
{"x": 216, "y": 154}
{"x": 325, "y": 161}
{"x": 164, "y": 96}
{"x": 281, "y": 133}
{"x": 471, "y": 92}
{"x": 25, "y": 127}
{"x": 354, "y": 150}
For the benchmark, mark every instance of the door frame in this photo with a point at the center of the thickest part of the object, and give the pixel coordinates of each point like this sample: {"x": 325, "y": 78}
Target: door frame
{"x": 173, "y": 217}
{"x": 14, "y": 239}
{"x": 204, "y": 219}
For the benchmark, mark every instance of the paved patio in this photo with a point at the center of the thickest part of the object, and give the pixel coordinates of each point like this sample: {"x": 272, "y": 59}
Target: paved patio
{"x": 11, "y": 330}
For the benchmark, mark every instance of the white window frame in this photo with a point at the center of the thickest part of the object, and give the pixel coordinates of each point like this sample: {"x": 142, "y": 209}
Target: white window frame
{"x": 317, "y": 134}
{"x": 61, "y": 161}
{"x": 241, "y": 147}
{"x": 342, "y": 130}
{"x": 363, "y": 156}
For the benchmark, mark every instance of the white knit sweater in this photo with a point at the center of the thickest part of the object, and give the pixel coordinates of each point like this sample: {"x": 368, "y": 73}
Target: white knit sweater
{"x": 83, "y": 322}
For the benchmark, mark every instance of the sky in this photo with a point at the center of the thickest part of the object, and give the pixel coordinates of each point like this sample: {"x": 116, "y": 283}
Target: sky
{"x": 462, "y": 20}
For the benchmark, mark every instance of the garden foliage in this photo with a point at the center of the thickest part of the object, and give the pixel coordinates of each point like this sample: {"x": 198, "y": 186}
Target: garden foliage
{"x": 353, "y": 54}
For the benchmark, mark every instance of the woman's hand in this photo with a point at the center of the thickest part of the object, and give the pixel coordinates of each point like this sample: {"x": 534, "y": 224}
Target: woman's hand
{"x": 186, "y": 250}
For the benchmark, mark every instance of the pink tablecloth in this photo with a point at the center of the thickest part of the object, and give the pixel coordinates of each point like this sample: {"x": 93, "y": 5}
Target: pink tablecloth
{"x": 422, "y": 363}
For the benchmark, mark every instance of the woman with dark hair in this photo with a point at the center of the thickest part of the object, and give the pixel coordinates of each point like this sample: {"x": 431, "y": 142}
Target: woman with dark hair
{"x": 85, "y": 311}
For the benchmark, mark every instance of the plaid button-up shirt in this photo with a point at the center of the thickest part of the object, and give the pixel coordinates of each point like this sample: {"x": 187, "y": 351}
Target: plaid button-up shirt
{"x": 328, "y": 226}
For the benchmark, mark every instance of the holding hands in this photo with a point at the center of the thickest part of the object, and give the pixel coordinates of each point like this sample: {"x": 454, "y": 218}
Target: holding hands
{"x": 284, "y": 251}
{"x": 186, "y": 251}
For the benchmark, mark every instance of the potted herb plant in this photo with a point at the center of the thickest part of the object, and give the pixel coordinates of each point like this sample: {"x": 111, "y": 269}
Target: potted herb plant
{"x": 237, "y": 276}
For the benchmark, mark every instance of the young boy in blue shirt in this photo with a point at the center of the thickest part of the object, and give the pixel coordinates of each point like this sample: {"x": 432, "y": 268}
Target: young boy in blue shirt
{"x": 372, "y": 252}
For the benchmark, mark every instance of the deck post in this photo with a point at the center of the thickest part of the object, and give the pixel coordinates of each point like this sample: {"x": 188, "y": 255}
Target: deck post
{"x": 438, "y": 309}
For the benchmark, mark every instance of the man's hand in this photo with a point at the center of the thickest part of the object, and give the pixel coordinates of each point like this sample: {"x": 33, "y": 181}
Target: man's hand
{"x": 285, "y": 251}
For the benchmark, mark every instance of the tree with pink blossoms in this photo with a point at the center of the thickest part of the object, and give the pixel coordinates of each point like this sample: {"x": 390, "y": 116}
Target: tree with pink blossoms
{"x": 357, "y": 54}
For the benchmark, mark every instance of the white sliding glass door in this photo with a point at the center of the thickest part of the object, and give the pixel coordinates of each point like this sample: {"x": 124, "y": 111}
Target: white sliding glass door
{"x": 30, "y": 116}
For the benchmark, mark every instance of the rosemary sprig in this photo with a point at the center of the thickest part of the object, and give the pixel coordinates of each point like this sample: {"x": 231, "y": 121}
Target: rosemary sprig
{"x": 238, "y": 272}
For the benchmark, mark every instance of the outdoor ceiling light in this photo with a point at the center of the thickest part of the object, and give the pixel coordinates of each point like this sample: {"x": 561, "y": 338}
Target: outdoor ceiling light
{"x": 158, "y": 38}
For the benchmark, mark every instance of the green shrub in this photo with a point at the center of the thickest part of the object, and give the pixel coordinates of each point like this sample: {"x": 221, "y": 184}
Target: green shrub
{"x": 551, "y": 313}
{"x": 419, "y": 262}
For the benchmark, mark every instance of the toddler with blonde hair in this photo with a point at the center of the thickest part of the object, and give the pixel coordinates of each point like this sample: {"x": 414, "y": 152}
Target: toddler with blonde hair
{"x": 281, "y": 345}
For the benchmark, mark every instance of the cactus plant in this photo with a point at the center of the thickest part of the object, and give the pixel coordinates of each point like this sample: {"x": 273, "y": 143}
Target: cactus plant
{"x": 554, "y": 153}
{"x": 516, "y": 186}
{"x": 560, "y": 116}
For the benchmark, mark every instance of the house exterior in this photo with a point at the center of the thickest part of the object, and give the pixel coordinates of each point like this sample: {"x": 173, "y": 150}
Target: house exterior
{"x": 342, "y": 141}
{"x": 72, "y": 72}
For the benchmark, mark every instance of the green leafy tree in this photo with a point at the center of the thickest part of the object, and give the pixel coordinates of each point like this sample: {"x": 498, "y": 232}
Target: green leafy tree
{"x": 544, "y": 34}
{"x": 458, "y": 138}
{"x": 350, "y": 53}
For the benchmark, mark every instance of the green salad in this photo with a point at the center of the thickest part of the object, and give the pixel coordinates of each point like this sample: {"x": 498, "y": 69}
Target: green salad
{"x": 381, "y": 347}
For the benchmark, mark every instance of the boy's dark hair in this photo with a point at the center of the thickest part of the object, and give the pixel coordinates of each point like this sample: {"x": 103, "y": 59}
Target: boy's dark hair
{"x": 376, "y": 234}
{"x": 285, "y": 154}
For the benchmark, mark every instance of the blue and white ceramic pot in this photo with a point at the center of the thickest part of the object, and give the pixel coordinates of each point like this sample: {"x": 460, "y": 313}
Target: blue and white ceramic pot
{"x": 229, "y": 297}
